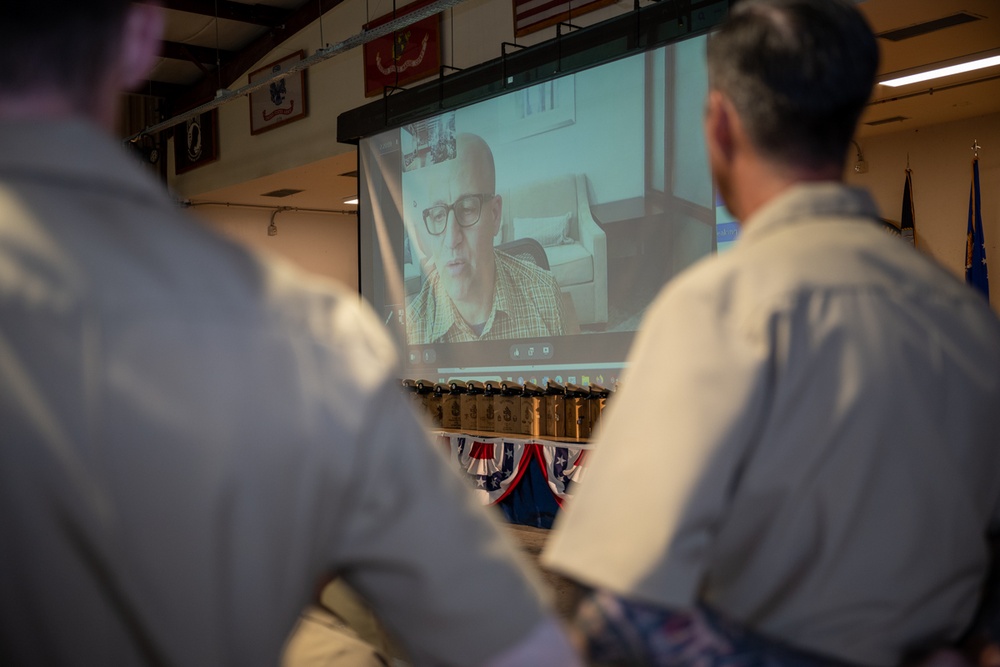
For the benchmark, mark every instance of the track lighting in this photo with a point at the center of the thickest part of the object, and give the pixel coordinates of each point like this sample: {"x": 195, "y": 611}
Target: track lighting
{"x": 860, "y": 165}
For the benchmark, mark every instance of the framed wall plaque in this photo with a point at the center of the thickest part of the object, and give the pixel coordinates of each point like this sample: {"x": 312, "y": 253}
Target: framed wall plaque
{"x": 196, "y": 141}
{"x": 283, "y": 100}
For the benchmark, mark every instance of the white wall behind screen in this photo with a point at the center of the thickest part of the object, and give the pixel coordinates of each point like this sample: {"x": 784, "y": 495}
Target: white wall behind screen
{"x": 322, "y": 243}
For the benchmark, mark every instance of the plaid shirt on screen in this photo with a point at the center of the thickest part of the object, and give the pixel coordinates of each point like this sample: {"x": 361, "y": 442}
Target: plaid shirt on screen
{"x": 527, "y": 303}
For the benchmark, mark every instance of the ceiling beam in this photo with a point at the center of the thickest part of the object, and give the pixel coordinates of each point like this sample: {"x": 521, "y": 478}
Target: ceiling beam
{"x": 160, "y": 89}
{"x": 194, "y": 54}
{"x": 263, "y": 15}
{"x": 242, "y": 61}
{"x": 321, "y": 54}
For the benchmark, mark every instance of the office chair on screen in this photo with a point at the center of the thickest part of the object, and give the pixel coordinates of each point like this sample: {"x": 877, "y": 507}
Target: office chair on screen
{"x": 528, "y": 250}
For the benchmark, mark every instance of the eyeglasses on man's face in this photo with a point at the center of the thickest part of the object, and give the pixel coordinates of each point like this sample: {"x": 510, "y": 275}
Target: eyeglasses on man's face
{"x": 467, "y": 209}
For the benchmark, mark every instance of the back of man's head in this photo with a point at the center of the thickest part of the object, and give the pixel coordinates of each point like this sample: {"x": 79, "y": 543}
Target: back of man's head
{"x": 798, "y": 73}
{"x": 60, "y": 45}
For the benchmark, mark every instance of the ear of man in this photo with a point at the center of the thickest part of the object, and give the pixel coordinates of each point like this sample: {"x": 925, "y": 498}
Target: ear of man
{"x": 724, "y": 139}
{"x": 497, "y": 205}
{"x": 719, "y": 119}
{"x": 746, "y": 177}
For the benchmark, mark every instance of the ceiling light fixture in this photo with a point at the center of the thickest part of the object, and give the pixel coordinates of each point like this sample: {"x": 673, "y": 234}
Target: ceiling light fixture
{"x": 927, "y": 27}
{"x": 860, "y": 165}
{"x": 272, "y": 229}
{"x": 943, "y": 69}
{"x": 283, "y": 192}
{"x": 351, "y": 201}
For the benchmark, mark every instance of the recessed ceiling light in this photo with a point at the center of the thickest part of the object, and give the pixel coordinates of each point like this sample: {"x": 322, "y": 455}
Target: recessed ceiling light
{"x": 284, "y": 192}
{"x": 948, "y": 68}
{"x": 892, "y": 119}
{"x": 919, "y": 29}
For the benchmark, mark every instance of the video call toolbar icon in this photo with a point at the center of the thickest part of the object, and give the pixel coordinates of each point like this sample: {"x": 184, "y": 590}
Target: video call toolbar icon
{"x": 418, "y": 355}
{"x": 531, "y": 351}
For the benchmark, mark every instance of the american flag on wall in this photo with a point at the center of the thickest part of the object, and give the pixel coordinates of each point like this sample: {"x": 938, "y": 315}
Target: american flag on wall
{"x": 907, "y": 229}
{"x": 533, "y": 15}
{"x": 975, "y": 243}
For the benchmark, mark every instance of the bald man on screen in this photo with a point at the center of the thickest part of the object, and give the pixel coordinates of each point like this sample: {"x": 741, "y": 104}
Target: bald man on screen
{"x": 471, "y": 291}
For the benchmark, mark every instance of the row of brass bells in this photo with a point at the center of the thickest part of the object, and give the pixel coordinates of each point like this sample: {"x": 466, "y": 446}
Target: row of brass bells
{"x": 509, "y": 408}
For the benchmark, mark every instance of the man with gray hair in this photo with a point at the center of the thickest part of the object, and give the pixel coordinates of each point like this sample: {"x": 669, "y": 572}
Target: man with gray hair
{"x": 801, "y": 466}
{"x": 192, "y": 436}
{"x": 472, "y": 290}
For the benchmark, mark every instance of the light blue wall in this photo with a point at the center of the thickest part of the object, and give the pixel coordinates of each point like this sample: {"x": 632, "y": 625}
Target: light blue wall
{"x": 604, "y": 141}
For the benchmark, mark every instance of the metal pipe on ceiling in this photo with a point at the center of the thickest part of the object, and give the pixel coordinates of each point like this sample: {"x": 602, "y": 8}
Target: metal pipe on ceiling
{"x": 225, "y": 95}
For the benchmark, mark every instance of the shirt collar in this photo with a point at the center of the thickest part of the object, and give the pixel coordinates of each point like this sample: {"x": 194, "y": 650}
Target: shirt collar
{"x": 503, "y": 295}
{"x": 75, "y": 151}
{"x": 445, "y": 316}
{"x": 502, "y": 300}
{"x": 804, "y": 203}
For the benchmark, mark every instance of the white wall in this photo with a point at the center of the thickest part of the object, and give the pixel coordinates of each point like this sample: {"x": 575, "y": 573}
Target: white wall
{"x": 333, "y": 86}
{"x": 580, "y": 147}
{"x": 323, "y": 243}
{"x": 941, "y": 159}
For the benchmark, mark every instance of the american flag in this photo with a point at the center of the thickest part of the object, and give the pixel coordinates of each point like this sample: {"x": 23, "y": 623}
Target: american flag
{"x": 493, "y": 465}
{"x": 975, "y": 245}
{"x": 906, "y": 227}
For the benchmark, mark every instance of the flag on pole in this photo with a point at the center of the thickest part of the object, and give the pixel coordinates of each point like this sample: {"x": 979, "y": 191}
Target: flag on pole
{"x": 906, "y": 229}
{"x": 975, "y": 244}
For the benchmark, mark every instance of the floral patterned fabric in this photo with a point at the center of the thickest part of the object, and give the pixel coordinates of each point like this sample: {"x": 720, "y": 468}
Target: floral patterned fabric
{"x": 621, "y": 632}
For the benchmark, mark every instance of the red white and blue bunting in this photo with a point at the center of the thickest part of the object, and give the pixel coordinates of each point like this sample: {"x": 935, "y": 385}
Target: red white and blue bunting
{"x": 495, "y": 466}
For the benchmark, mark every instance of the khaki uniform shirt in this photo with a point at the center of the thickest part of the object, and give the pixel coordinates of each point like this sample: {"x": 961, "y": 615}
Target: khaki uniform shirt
{"x": 807, "y": 438}
{"x": 191, "y": 436}
{"x": 527, "y": 304}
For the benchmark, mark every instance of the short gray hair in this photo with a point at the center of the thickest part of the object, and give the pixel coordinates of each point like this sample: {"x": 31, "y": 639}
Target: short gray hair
{"x": 799, "y": 73}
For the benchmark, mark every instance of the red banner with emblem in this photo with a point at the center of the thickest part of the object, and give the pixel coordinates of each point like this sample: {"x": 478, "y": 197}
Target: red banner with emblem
{"x": 404, "y": 56}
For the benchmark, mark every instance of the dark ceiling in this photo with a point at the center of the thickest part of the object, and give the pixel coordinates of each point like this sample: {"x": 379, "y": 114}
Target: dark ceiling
{"x": 211, "y": 44}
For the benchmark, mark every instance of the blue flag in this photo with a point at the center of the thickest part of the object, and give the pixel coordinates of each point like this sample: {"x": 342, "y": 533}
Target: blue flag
{"x": 906, "y": 228}
{"x": 975, "y": 244}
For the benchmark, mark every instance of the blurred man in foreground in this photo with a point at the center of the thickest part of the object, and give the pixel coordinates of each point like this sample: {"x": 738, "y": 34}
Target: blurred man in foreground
{"x": 801, "y": 467}
{"x": 194, "y": 436}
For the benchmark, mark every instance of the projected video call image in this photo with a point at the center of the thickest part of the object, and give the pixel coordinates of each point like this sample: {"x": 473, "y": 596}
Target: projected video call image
{"x": 535, "y": 228}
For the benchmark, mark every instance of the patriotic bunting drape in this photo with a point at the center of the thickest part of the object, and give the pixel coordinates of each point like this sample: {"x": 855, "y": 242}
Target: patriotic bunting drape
{"x": 495, "y": 466}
